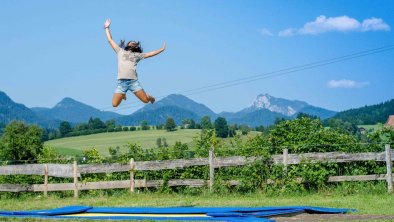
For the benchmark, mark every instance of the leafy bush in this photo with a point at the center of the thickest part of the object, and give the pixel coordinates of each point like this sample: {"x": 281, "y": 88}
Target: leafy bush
{"x": 21, "y": 142}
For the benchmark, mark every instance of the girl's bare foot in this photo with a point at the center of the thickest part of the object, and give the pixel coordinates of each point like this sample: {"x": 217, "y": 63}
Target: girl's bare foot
{"x": 152, "y": 99}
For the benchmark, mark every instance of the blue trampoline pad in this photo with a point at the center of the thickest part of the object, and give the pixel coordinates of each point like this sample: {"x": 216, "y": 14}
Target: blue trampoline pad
{"x": 171, "y": 213}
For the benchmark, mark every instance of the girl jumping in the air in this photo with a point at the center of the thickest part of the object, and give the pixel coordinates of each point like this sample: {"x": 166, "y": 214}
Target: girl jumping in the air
{"x": 128, "y": 57}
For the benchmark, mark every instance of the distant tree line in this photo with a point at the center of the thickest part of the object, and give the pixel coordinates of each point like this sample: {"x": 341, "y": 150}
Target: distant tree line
{"x": 222, "y": 128}
{"x": 93, "y": 126}
{"x": 368, "y": 115}
{"x": 220, "y": 124}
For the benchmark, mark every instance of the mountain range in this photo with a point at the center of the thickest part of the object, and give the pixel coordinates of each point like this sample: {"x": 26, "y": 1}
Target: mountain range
{"x": 9, "y": 110}
{"x": 73, "y": 111}
{"x": 264, "y": 110}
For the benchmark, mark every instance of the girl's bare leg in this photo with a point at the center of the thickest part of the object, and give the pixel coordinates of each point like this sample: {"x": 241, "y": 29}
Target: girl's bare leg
{"x": 117, "y": 99}
{"x": 144, "y": 97}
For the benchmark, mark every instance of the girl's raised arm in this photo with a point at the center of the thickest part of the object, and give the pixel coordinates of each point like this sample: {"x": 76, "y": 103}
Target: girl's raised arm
{"x": 109, "y": 37}
{"x": 153, "y": 53}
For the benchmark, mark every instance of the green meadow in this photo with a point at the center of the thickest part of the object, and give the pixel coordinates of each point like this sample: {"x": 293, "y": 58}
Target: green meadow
{"x": 371, "y": 127}
{"x": 145, "y": 138}
{"x": 102, "y": 141}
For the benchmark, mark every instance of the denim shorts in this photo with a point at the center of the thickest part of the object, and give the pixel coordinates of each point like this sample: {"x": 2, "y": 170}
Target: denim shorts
{"x": 128, "y": 84}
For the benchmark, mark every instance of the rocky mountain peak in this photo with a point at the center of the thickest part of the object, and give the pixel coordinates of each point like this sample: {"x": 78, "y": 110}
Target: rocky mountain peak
{"x": 278, "y": 105}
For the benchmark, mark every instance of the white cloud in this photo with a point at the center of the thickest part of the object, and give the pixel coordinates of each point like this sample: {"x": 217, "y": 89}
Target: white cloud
{"x": 323, "y": 24}
{"x": 374, "y": 24}
{"x": 288, "y": 32}
{"x": 266, "y": 32}
{"x": 345, "y": 83}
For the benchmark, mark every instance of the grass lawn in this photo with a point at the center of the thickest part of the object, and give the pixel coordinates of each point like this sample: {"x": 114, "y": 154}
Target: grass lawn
{"x": 147, "y": 139}
{"x": 102, "y": 141}
{"x": 371, "y": 127}
{"x": 377, "y": 204}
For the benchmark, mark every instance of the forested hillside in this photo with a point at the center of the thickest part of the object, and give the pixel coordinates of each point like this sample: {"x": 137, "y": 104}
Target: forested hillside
{"x": 368, "y": 115}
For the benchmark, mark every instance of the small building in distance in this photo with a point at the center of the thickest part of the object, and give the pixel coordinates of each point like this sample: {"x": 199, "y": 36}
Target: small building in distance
{"x": 390, "y": 121}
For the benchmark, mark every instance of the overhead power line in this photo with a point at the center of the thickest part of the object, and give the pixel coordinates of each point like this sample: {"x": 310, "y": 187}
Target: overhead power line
{"x": 267, "y": 75}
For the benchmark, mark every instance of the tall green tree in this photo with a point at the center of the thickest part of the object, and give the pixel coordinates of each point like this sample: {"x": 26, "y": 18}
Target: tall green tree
{"x": 343, "y": 126}
{"x": 189, "y": 123}
{"x": 21, "y": 142}
{"x": 65, "y": 128}
{"x": 2, "y": 126}
{"x": 110, "y": 124}
{"x": 221, "y": 127}
{"x": 170, "y": 124}
{"x": 192, "y": 124}
{"x": 245, "y": 129}
{"x": 81, "y": 127}
{"x": 206, "y": 123}
{"x": 96, "y": 123}
{"x": 158, "y": 142}
{"x": 232, "y": 130}
{"x": 260, "y": 128}
{"x": 144, "y": 125}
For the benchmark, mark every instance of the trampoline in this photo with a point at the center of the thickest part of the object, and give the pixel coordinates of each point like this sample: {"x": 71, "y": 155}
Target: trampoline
{"x": 172, "y": 213}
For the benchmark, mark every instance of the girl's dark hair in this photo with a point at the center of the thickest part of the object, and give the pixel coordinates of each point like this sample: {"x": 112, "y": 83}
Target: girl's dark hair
{"x": 137, "y": 48}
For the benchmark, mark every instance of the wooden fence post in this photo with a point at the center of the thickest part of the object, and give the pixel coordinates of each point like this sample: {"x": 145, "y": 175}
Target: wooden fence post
{"x": 45, "y": 180}
{"x": 132, "y": 170}
{"x": 211, "y": 170}
{"x": 389, "y": 175}
{"x": 75, "y": 173}
{"x": 285, "y": 157}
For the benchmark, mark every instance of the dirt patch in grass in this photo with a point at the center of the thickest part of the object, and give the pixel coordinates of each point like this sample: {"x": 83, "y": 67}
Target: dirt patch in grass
{"x": 333, "y": 217}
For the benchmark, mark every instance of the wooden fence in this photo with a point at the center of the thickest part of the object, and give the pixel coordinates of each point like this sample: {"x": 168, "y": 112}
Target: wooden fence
{"x": 75, "y": 171}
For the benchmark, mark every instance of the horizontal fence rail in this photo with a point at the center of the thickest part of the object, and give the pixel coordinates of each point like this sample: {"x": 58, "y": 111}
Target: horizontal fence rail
{"x": 75, "y": 171}
{"x": 66, "y": 170}
{"x": 54, "y": 170}
{"x": 335, "y": 157}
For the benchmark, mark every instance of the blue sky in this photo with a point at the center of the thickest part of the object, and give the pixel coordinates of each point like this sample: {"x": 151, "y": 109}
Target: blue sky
{"x": 55, "y": 49}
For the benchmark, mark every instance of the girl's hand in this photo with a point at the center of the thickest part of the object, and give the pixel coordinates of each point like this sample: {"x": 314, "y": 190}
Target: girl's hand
{"x": 107, "y": 23}
{"x": 164, "y": 46}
